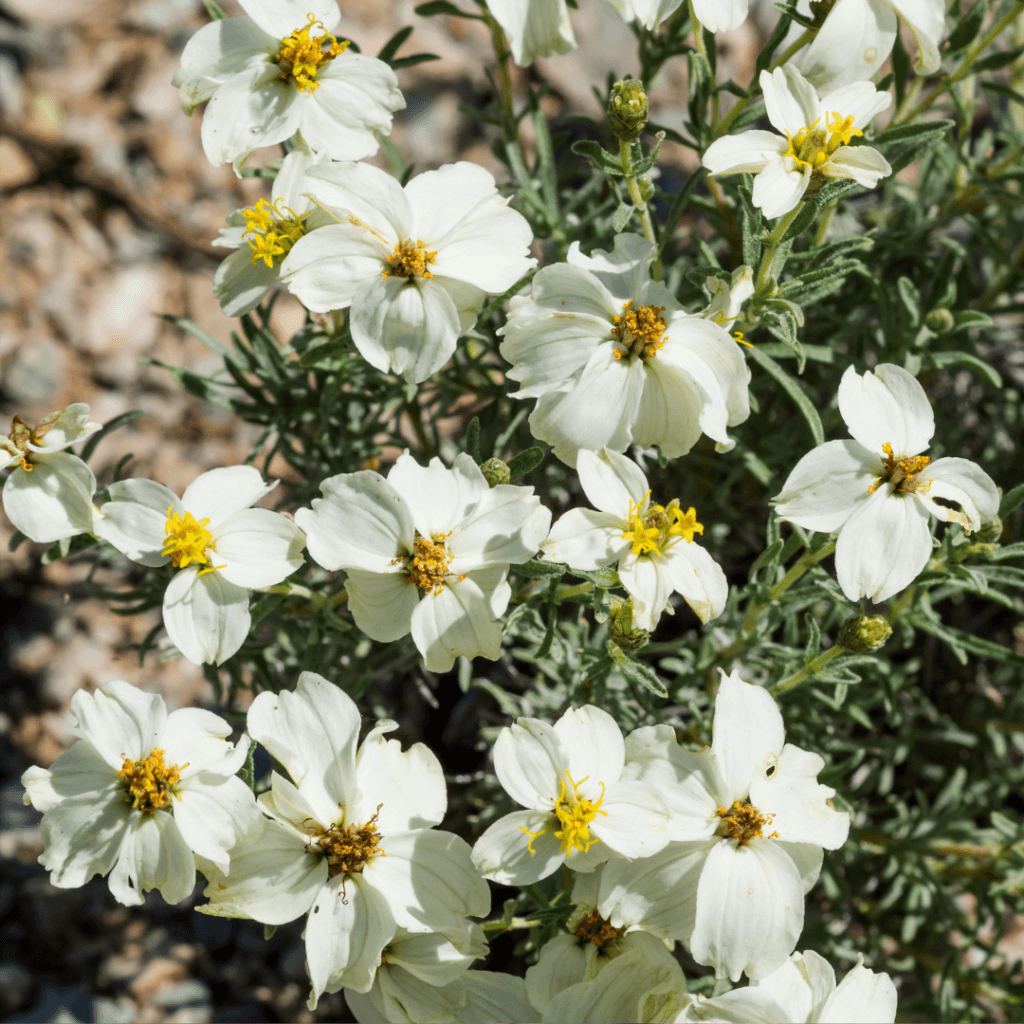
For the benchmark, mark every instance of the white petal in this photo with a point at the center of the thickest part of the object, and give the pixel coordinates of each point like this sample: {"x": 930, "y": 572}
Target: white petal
{"x": 120, "y": 721}
{"x": 790, "y": 100}
{"x": 253, "y": 108}
{"x": 148, "y": 493}
{"x": 506, "y": 854}
{"x": 926, "y": 19}
{"x": 360, "y": 522}
{"x": 596, "y": 751}
{"x": 585, "y": 539}
{"x": 458, "y": 621}
{"x": 272, "y": 878}
{"x": 535, "y": 28}
{"x": 429, "y": 880}
{"x": 721, "y": 15}
{"x": 750, "y": 909}
{"x": 887, "y": 406}
{"x": 859, "y": 100}
{"x": 864, "y": 165}
{"x": 313, "y": 733}
{"x": 82, "y": 836}
{"x": 636, "y": 821}
{"x": 496, "y": 998}
{"x": 670, "y": 409}
{"x": 296, "y": 810}
{"x": 562, "y": 963}
{"x": 78, "y": 771}
{"x": 530, "y": 763}
{"x": 962, "y": 482}
{"x": 437, "y": 958}
{"x": 747, "y": 731}
{"x": 135, "y": 528}
{"x": 409, "y": 784}
{"x": 199, "y": 738}
{"x": 650, "y": 583}
{"x": 746, "y": 153}
{"x": 808, "y": 858}
{"x": 438, "y": 498}
{"x": 53, "y": 500}
{"x": 801, "y": 985}
{"x": 698, "y": 578}
{"x": 240, "y": 284}
{"x": 213, "y": 813}
{"x": 851, "y": 45}
{"x": 153, "y": 856}
{"x": 789, "y": 791}
{"x": 220, "y": 493}
{"x": 347, "y": 929}
{"x": 884, "y": 546}
{"x": 612, "y": 482}
{"x": 206, "y": 617}
{"x": 507, "y": 527}
{"x": 382, "y": 603}
{"x": 862, "y": 996}
{"x": 780, "y": 187}
{"x": 257, "y": 548}
{"x": 625, "y": 271}
{"x": 740, "y": 1006}
{"x": 441, "y": 200}
{"x": 372, "y": 199}
{"x": 68, "y": 427}
{"x": 282, "y": 17}
{"x": 827, "y": 485}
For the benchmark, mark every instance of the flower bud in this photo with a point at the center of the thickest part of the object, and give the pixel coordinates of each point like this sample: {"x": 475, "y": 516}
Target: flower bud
{"x": 990, "y": 531}
{"x": 820, "y": 10}
{"x": 864, "y": 634}
{"x": 495, "y": 472}
{"x": 621, "y": 631}
{"x": 627, "y": 109}
{"x": 940, "y": 320}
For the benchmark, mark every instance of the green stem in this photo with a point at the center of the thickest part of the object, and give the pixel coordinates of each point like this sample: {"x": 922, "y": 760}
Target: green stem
{"x": 578, "y": 590}
{"x": 297, "y": 590}
{"x": 698, "y": 33}
{"x": 973, "y": 53}
{"x": 764, "y": 272}
{"x": 823, "y": 222}
{"x": 633, "y": 187}
{"x": 810, "y": 669}
{"x": 505, "y": 926}
{"x": 808, "y": 560}
{"x": 501, "y": 53}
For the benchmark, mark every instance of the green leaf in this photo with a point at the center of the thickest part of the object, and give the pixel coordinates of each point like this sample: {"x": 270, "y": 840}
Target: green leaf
{"x": 214, "y": 10}
{"x": 245, "y": 773}
{"x": 268, "y": 931}
{"x": 965, "y": 319}
{"x": 603, "y": 579}
{"x": 790, "y": 386}
{"x": 525, "y": 462}
{"x": 637, "y": 672}
{"x": 989, "y": 372}
{"x": 471, "y": 440}
{"x": 413, "y": 60}
{"x": 539, "y": 570}
{"x": 768, "y": 557}
{"x": 392, "y": 46}
{"x": 264, "y": 606}
{"x": 790, "y": 11}
{"x": 1011, "y": 500}
{"x": 17, "y": 539}
{"x": 598, "y": 156}
{"x": 995, "y": 61}
{"x": 428, "y": 10}
{"x": 186, "y": 325}
{"x": 109, "y": 428}
{"x": 922, "y": 132}
{"x": 622, "y": 216}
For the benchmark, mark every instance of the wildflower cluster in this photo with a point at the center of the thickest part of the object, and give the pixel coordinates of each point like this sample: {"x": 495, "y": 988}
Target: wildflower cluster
{"x": 666, "y": 839}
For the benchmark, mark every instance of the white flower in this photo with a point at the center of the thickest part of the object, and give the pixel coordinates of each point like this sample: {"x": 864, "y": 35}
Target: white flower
{"x": 583, "y": 805}
{"x": 278, "y": 71}
{"x": 426, "y": 551}
{"x": 264, "y": 234}
{"x": 714, "y": 15}
{"x": 221, "y": 547}
{"x": 727, "y": 298}
{"x": 614, "y": 360}
{"x": 140, "y": 794}
{"x": 803, "y": 990}
{"x": 535, "y": 28}
{"x": 878, "y": 490}
{"x": 48, "y": 496}
{"x": 858, "y": 35}
{"x": 750, "y": 820}
{"x": 414, "y": 263}
{"x": 816, "y": 143}
{"x": 349, "y": 840}
{"x": 653, "y": 544}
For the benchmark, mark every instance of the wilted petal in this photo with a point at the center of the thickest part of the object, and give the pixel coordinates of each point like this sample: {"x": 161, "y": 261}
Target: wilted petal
{"x": 960, "y": 482}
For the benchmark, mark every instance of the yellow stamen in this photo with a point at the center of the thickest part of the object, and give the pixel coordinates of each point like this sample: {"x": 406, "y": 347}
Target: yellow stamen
{"x": 737, "y": 336}
{"x": 574, "y": 814}
{"x": 685, "y": 524}
{"x": 187, "y": 541}
{"x": 902, "y": 472}
{"x": 347, "y": 849}
{"x": 410, "y": 260}
{"x": 301, "y": 57}
{"x": 813, "y": 147}
{"x": 428, "y": 566}
{"x": 150, "y": 783}
{"x": 659, "y": 526}
{"x": 644, "y": 538}
{"x": 743, "y": 822}
{"x": 639, "y": 332}
{"x": 25, "y": 464}
{"x": 273, "y": 231}
{"x": 842, "y": 129}
{"x": 598, "y": 931}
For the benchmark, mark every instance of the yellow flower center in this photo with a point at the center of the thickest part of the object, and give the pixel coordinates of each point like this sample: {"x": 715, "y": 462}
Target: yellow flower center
{"x": 301, "y": 57}
{"x": 149, "y": 783}
{"x": 273, "y": 232}
{"x": 347, "y": 849}
{"x": 813, "y": 147}
{"x": 187, "y": 541}
{"x": 659, "y": 527}
{"x": 410, "y": 260}
{"x": 902, "y": 472}
{"x": 595, "y": 929}
{"x": 639, "y": 332}
{"x": 574, "y": 814}
{"x": 427, "y": 567}
{"x": 743, "y": 822}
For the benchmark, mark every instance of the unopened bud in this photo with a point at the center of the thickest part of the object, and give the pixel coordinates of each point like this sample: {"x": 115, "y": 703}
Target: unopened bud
{"x": 940, "y": 320}
{"x": 621, "y": 629}
{"x": 864, "y": 634}
{"x": 820, "y": 10}
{"x": 495, "y": 472}
{"x": 989, "y": 532}
{"x": 627, "y": 109}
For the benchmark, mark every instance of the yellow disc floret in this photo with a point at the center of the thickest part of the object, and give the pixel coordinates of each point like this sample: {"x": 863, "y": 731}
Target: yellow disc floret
{"x": 902, "y": 473}
{"x": 813, "y": 146}
{"x": 349, "y": 848}
{"x": 743, "y": 822}
{"x": 597, "y": 930}
{"x": 410, "y": 259}
{"x": 187, "y": 541}
{"x": 301, "y": 56}
{"x": 271, "y": 232}
{"x": 427, "y": 567}
{"x": 574, "y": 814}
{"x": 657, "y": 528}
{"x": 639, "y": 332}
{"x": 149, "y": 783}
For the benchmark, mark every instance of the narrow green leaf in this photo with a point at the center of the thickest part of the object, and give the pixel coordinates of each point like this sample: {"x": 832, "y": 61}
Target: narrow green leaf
{"x": 109, "y": 428}
{"x": 392, "y": 46}
{"x": 214, "y": 10}
{"x": 245, "y": 773}
{"x": 471, "y": 441}
{"x": 598, "y": 156}
{"x": 525, "y": 462}
{"x": 428, "y": 10}
{"x": 637, "y": 672}
{"x": 803, "y": 403}
{"x": 1011, "y": 500}
{"x": 986, "y": 370}
{"x": 538, "y": 570}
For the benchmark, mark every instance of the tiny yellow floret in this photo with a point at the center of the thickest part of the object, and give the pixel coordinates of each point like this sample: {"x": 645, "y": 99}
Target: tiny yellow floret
{"x": 149, "y": 783}
{"x": 574, "y": 814}
{"x": 902, "y": 473}
{"x": 349, "y": 848}
{"x": 813, "y": 146}
{"x": 427, "y": 567}
{"x": 657, "y": 528}
{"x": 743, "y": 822}
{"x": 187, "y": 541}
{"x": 410, "y": 260}
{"x": 638, "y": 332}
{"x": 273, "y": 231}
{"x": 597, "y": 930}
{"x": 301, "y": 57}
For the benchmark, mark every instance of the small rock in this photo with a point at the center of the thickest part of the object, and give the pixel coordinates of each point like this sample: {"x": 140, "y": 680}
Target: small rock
{"x": 185, "y": 993}
{"x": 158, "y": 974}
{"x": 36, "y": 372}
{"x": 122, "y": 319}
{"x": 111, "y": 1011}
{"x": 16, "y": 167}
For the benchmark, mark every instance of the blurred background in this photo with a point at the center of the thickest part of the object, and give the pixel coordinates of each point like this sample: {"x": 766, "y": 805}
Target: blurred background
{"x": 107, "y": 212}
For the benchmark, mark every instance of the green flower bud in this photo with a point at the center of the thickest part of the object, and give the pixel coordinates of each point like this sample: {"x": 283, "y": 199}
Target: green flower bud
{"x": 939, "y": 320}
{"x": 990, "y": 532}
{"x": 627, "y": 109}
{"x": 864, "y": 634}
{"x": 495, "y": 472}
{"x": 621, "y": 631}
